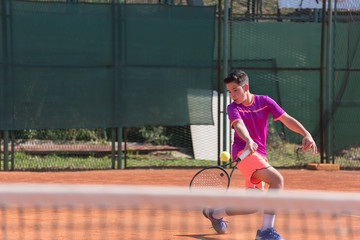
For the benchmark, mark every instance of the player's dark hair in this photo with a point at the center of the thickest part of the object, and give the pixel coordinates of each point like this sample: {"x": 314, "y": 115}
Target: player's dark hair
{"x": 240, "y": 77}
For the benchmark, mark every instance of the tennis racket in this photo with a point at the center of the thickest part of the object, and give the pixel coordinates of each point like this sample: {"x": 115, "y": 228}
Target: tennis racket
{"x": 215, "y": 177}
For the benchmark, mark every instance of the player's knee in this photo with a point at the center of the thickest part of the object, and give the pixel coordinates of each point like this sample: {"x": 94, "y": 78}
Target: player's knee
{"x": 254, "y": 210}
{"x": 277, "y": 182}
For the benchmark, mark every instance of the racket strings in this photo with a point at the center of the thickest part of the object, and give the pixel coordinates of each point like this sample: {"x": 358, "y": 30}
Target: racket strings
{"x": 212, "y": 178}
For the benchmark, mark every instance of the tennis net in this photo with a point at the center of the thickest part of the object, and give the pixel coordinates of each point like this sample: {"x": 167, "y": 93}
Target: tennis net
{"x": 51, "y": 211}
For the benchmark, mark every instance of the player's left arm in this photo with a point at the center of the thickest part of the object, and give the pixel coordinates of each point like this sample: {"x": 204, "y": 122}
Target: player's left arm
{"x": 296, "y": 126}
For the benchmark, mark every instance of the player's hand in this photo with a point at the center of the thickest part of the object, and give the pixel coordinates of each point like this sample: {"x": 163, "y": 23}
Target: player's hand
{"x": 252, "y": 146}
{"x": 308, "y": 142}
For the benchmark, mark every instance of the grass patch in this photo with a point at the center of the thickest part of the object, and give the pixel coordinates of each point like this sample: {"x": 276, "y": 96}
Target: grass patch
{"x": 168, "y": 163}
{"x": 289, "y": 155}
{"x": 24, "y": 162}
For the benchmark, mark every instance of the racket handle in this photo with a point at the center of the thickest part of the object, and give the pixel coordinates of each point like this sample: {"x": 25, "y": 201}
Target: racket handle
{"x": 244, "y": 154}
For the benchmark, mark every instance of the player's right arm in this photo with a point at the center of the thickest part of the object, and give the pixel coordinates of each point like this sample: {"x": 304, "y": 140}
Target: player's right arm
{"x": 296, "y": 126}
{"x": 242, "y": 131}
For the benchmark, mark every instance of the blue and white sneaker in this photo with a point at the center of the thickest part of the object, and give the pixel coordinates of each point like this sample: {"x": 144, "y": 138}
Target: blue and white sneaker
{"x": 268, "y": 234}
{"x": 218, "y": 224}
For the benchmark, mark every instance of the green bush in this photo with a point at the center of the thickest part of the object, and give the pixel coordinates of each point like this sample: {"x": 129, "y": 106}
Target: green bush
{"x": 154, "y": 135}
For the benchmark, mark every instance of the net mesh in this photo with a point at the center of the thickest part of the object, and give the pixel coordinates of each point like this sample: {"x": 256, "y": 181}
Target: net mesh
{"x": 128, "y": 212}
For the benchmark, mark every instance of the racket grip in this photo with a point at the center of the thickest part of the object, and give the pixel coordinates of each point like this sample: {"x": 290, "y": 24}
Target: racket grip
{"x": 244, "y": 154}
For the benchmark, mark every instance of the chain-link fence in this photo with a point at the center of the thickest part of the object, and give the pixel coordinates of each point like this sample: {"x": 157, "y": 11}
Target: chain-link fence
{"x": 96, "y": 149}
{"x": 304, "y": 54}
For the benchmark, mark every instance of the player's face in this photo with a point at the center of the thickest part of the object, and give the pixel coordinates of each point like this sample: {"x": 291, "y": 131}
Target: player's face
{"x": 236, "y": 92}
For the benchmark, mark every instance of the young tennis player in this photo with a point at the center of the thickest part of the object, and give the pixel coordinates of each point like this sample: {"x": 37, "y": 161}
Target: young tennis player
{"x": 248, "y": 115}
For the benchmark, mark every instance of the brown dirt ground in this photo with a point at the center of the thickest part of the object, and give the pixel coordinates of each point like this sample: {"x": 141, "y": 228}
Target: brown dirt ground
{"x": 348, "y": 181}
{"x": 294, "y": 179}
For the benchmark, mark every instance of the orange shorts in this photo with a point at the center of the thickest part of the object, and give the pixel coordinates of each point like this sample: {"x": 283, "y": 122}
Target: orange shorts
{"x": 249, "y": 165}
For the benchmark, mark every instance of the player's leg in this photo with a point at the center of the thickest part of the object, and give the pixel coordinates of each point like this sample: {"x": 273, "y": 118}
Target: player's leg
{"x": 216, "y": 215}
{"x": 256, "y": 171}
{"x": 218, "y": 223}
{"x": 247, "y": 167}
{"x": 276, "y": 182}
{"x": 270, "y": 176}
{"x": 249, "y": 186}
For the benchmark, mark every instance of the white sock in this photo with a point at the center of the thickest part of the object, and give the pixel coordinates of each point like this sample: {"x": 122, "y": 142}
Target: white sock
{"x": 219, "y": 213}
{"x": 268, "y": 221}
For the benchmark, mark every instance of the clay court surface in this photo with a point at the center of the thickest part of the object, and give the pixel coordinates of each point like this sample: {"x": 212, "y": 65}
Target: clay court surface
{"x": 294, "y": 179}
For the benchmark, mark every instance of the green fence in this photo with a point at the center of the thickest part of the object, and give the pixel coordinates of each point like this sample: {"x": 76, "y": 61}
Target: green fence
{"x": 76, "y": 76}
{"x": 104, "y": 65}
{"x": 79, "y": 77}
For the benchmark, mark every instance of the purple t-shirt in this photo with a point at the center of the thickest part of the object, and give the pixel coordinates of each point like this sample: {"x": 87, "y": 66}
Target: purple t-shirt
{"x": 255, "y": 117}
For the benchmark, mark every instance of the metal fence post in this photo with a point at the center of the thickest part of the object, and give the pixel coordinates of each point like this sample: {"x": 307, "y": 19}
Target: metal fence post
{"x": 226, "y": 127}
{"x": 329, "y": 76}
{"x": 113, "y": 135}
{"x": 6, "y": 150}
{"x": 12, "y": 139}
{"x": 119, "y": 137}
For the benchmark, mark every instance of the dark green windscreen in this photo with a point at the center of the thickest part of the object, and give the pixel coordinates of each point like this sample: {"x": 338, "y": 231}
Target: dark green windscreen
{"x": 103, "y": 65}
